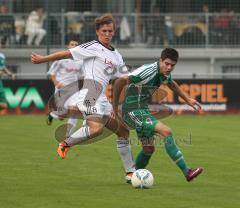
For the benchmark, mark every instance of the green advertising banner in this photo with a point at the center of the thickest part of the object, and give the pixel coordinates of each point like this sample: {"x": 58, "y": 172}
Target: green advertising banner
{"x": 32, "y": 96}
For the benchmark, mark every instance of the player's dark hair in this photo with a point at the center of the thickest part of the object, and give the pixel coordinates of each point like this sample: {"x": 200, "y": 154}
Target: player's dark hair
{"x": 169, "y": 53}
{"x": 104, "y": 19}
{"x": 72, "y": 40}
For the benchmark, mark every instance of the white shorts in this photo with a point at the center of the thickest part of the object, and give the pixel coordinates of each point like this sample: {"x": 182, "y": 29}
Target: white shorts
{"x": 89, "y": 108}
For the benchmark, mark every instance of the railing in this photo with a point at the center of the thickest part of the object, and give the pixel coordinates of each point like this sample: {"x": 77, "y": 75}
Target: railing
{"x": 175, "y": 76}
{"x": 196, "y": 30}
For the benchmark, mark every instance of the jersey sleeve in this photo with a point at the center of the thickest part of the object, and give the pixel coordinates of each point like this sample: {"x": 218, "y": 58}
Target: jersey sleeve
{"x": 121, "y": 68}
{"x": 79, "y": 53}
{"x": 54, "y": 67}
{"x": 142, "y": 74}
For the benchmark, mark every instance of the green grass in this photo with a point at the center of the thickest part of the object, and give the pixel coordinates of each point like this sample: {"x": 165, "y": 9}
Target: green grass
{"x": 92, "y": 176}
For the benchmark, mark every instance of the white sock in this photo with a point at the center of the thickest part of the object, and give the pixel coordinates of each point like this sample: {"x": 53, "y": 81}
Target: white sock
{"x": 84, "y": 123}
{"x": 54, "y": 115}
{"x": 72, "y": 124}
{"x": 124, "y": 150}
{"x": 78, "y": 136}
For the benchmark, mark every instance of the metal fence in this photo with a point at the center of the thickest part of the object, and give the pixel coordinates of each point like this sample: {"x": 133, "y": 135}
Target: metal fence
{"x": 189, "y": 76}
{"x": 191, "y": 30}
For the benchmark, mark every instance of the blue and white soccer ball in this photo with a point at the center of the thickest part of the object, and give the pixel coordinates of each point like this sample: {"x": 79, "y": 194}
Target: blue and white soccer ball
{"x": 142, "y": 178}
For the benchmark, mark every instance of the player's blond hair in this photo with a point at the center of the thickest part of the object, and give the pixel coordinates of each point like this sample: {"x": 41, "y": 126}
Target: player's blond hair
{"x": 104, "y": 19}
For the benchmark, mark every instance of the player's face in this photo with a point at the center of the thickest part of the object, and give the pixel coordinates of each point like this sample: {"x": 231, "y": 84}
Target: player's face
{"x": 167, "y": 66}
{"x": 72, "y": 44}
{"x": 105, "y": 34}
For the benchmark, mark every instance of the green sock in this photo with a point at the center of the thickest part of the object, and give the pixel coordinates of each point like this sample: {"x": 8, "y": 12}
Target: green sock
{"x": 142, "y": 160}
{"x": 176, "y": 155}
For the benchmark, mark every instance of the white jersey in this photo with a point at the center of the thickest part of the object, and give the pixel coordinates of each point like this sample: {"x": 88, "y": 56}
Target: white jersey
{"x": 66, "y": 71}
{"x": 100, "y": 64}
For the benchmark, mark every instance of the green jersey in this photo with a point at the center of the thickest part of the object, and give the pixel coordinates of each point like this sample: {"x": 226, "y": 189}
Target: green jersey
{"x": 144, "y": 81}
{"x": 2, "y": 61}
{"x": 2, "y": 66}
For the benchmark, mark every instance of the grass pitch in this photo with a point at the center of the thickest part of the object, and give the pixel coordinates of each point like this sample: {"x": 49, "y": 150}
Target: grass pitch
{"x": 32, "y": 175}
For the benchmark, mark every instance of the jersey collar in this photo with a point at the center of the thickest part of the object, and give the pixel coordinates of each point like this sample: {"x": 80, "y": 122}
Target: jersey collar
{"x": 161, "y": 76}
{"x": 111, "y": 48}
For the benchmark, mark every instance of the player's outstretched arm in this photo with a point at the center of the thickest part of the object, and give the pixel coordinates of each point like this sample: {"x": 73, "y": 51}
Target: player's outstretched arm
{"x": 38, "y": 59}
{"x": 8, "y": 73}
{"x": 191, "y": 102}
{"x": 118, "y": 86}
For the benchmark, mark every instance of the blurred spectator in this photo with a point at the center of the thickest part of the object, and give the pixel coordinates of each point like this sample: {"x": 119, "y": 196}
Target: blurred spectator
{"x": 3, "y": 9}
{"x": 155, "y": 28}
{"x": 88, "y": 28}
{"x": 205, "y": 11}
{"x": 234, "y": 29}
{"x": 222, "y": 25}
{"x": 34, "y": 27}
{"x": 205, "y": 8}
{"x": 7, "y": 27}
{"x": 125, "y": 31}
{"x": 222, "y": 21}
{"x": 168, "y": 26}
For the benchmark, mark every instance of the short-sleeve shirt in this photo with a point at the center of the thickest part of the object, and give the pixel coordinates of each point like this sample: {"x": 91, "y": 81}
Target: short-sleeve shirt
{"x": 144, "y": 81}
{"x": 66, "y": 71}
{"x": 100, "y": 64}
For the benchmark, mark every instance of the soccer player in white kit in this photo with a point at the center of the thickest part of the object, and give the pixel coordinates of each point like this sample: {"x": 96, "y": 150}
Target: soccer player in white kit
{"x": 62, "y": 73}
{"x": 101, "y": 63}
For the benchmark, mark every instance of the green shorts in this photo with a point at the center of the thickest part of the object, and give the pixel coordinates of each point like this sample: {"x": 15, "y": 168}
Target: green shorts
{"x": 141, "y": 120}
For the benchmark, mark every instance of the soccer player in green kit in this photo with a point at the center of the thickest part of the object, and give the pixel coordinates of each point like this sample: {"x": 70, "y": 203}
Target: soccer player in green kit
{"x": 3, "y": 71}
{"x": 142, "y": 82}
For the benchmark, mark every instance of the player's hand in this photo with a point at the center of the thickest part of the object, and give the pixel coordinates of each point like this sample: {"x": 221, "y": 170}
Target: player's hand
{"x": 115, "y": 112}
{"x": 59, "y": 85}
{"x": 112, "y": 115}
{"x": 194, "y": 104}
{"x": 37, "y": 59}
{"x": 13, "y": 76}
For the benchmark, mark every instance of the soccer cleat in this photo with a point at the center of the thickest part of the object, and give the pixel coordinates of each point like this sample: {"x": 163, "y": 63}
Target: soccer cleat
{"x": 193, "y": 173}
{"x": 62, "y": 150}
{"x": 128, "y": 177}
{"x": 49, "y": 120}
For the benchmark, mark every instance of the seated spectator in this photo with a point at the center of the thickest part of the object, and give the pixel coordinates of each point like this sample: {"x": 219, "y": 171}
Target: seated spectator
{"x": 7, "y": 28}
{"x": 34, "y": 27}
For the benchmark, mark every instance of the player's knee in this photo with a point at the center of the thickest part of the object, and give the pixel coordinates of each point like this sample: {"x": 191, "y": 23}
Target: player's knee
{"x": 122, "y": 132}
{"x": 166, "y": 132}
{"x": 148, "y": 150}
{"x": 96, "y": 131}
